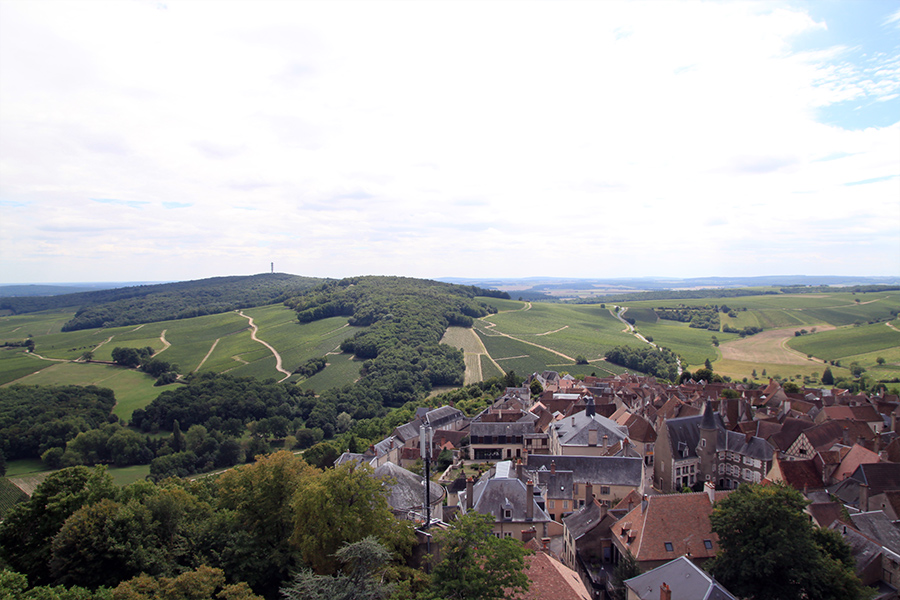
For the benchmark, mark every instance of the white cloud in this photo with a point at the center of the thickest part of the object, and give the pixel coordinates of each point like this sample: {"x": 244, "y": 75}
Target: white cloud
{"x": 433, "y": 139}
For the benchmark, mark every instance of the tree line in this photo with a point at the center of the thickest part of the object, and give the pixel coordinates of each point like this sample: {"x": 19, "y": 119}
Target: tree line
{"x": 167, "y": 301}
{"x": 659, "y": 362}
{"x": 275, "y": 528}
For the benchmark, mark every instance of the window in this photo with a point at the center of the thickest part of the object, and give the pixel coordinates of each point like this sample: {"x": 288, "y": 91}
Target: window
{"x": 507, "y": 534}
{"x": 507, "y": 513}
{"x": 565, "y": 505}
{"x": 692, "y": 468}
{"x": 604, "y": 490}
{"x": 721, "y": 468}
{"x": 747, "y": 475}
{"x": 708, "y": 544}
{"x": 721, "y": 456}
{"x": 703, "y": 443}
{"x": 551, "y": 504}
{"x": 669, "y": 547}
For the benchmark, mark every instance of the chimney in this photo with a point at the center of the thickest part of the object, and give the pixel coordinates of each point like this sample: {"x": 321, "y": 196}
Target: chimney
{"x": 644, "y": 502}
{"x": 518, "y": 468}
{"x": 710, "y": 490}
{"x": 529, "y": 501}
{"x": 528, "y": 535}
{"x": 588, "y": 493}
{"x": 846, "y": 436}
{"x": 665, "y": 592}
{"x": 470, "y": 501}
{"x": 592, "y": 435}
{"x": 747, "y": 438}
{"x": 525, "y": 456}
{"x": 630, "y": 505}
{"x": 864, "y": 497}
{"x": 605, "y": 441}
{"x": 553, "y": 467}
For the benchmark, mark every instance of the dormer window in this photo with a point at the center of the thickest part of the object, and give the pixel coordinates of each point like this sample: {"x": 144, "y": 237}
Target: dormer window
{"x": 708, "y": 544}
{"x": 669, "y": 547}
{"x": 507, "y": 514}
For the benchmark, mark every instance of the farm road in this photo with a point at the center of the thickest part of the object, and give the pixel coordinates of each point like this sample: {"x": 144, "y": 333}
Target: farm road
{"x": 166, "y": 344}
{"x": 490, "y": 326}
{"x": 211, "y": 348}
{"x": 253, "y": 330}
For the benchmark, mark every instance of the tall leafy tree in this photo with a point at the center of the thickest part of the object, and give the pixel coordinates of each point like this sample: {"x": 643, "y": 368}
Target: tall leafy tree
{"x": 259, "y": 496}
{"x": 343, "y": 505}
{"x": 475, "y": 565}
{"x": 769, "y": 550}
{"x": 361, "y": 561}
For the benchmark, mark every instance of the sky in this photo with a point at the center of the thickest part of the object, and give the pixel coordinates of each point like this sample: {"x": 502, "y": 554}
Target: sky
{"x": 174, "y": 140}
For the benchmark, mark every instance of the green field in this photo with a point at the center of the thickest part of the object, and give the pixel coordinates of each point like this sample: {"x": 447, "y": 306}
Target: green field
{"x": 341, "y": 370}
{"x": 218, "y": 343}
{"x": 863, "y": 344}
{"x": 133, "y": 389}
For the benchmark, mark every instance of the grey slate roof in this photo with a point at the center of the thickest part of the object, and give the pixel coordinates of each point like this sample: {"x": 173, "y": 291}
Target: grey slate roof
{"x": 444, "y": 415}
{"x": 493, "y": 495}
{"x": 559, "y": 485}
{"x": 686, "y": 580}
{"x": 408, "y": 431}
{"x": 877, "y": 525}
{"x": 480, "y": 428}
{"x": 596, "y": 470}
{"x": 406, "y": 488}
{"x": 573, "y": 430}
{"x": 583, "y": 520}
{"x": 737, "y": 442}
{"x": 684, "y": 434}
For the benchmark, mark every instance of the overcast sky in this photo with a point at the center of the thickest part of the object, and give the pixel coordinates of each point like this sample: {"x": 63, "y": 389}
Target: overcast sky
{"x": 160, "y": 141}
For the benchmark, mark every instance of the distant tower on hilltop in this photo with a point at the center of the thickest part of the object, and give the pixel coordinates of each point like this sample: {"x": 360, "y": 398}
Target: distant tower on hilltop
{"x": 272, "y": 265}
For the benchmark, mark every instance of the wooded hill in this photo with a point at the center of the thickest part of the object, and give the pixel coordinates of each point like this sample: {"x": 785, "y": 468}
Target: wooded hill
{"x": 165, "y": 301}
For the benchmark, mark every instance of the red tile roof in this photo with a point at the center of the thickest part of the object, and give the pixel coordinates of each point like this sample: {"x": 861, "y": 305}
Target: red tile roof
{"x": 682, "y": 520}
{"x": 550, "y": 579}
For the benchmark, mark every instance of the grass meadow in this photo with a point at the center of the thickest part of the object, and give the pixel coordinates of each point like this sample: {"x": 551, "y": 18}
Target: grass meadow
{"x": 133, "y": 389}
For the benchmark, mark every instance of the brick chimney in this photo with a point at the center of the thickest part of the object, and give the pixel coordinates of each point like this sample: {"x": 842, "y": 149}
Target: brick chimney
{"x": 470, "y": 501}
{"x": 529, "y": 501}
{"x": 710, "y": 490}
{"x": 518, "y": 468}
{"x": 665, "y": 592}
{"x": 588, "y": 493}
{"x": 553, "y": 467}
{"x": 864, "y": 497}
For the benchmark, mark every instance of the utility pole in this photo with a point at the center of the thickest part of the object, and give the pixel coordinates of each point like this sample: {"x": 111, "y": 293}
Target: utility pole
{"x": 425, "y": 437}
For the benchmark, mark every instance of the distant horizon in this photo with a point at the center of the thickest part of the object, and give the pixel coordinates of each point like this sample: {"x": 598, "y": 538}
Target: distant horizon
{"x": 535, "y": 278}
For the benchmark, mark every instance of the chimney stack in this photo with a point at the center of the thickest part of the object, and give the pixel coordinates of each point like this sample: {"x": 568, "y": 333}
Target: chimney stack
{"x": 553, "y": 467}
{"x": 710, "y": 490}
{"x": 529, "y": 501}
{"x": 605, "y": 441}
{"x": 592, "y": 435}
{"x": 470, "y": 501}
{"x": 665, "y": 592}
{"x": 518, "y": 468}
{"x": 588, "y": 493}
{"x": 863, "y": 497}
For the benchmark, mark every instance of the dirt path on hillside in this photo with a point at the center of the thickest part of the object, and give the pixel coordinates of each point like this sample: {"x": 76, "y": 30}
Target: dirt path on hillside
{"x": 253, "y": 330}
{"x": 211, "y": 348}
{"x": 490, "y": 326}
{"x": 891, "y": 325}
{"x": 166, "y": 344}
{"x": 768, "y": 347}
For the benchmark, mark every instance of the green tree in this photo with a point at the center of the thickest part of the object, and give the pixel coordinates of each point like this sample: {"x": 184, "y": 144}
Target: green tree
{"x": 769, "y": 550}
{"x": 361, "y": 562}
{"x": 827, "y": 377}
{"x": 627, "y": 568}
{"x": 880, "y": 360}
{"x": 203, "y": 583}
{"x": 321, "y": 455}
{"x": 475, "y": 565}
{"x": 343, "y": 505}
{"x": 27, "y": 532}
{"x": 581, "y": 360}
{"x": 260, "y": 496}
